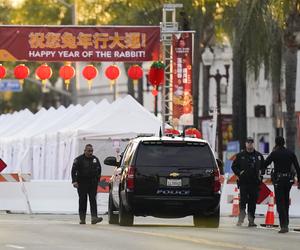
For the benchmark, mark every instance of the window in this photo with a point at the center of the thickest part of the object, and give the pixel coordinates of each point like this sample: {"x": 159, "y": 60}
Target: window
{"x": 178, "y": 155}
{"x": 129, "y": 153}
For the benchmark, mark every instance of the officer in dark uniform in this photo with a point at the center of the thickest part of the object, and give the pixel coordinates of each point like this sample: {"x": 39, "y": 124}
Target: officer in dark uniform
{"x": 86, "y": 171}
{"x": 283, "y": 179}
{"x": 248, "y": 166}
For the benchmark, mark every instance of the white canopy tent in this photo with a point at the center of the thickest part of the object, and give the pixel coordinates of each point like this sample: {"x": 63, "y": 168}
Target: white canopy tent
{"x": 45, "y": 144}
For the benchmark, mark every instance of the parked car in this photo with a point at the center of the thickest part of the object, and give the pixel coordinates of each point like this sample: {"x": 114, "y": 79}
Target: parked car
{"x": 166, "y": 177}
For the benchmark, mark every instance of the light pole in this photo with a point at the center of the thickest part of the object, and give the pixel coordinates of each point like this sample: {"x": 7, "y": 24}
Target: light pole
{"x": 208, "y": 59}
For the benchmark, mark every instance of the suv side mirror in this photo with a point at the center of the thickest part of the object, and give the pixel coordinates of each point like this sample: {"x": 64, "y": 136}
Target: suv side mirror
{"x": 220, "y": 166}
{"x": 111, "y": 161}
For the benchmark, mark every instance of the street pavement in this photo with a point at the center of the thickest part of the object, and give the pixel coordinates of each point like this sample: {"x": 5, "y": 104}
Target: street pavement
{"x": 49, "y": 231}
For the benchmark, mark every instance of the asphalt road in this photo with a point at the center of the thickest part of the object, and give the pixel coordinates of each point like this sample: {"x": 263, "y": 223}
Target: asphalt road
{"x": 45, "y": 232}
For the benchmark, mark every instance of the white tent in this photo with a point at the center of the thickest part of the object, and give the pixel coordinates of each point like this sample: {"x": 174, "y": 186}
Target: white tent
{"x": 45, "y": 144}
{"x": 127, "y": 119}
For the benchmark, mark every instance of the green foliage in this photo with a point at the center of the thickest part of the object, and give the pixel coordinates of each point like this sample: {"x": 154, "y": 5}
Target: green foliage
{"x": 40, "y": 12}
{"x": 5, "y": 12}
{"x": 250, "y": 32}
{"x": 158, "y": 65}
{"x": 254, "y": 27}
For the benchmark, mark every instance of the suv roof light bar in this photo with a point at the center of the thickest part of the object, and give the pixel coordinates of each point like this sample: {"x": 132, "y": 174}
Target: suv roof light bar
{"x": 145, "y": 135}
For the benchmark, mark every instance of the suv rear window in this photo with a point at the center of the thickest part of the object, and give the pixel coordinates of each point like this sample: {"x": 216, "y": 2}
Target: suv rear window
{"x": 177, "y": 154}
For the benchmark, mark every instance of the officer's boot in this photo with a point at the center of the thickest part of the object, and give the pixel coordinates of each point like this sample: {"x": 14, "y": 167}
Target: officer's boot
{"x": 96, "y": 219}
{"x": 242, "y": 216}
{"x": 251, "y": 221}
{"x": 82, "y": 219}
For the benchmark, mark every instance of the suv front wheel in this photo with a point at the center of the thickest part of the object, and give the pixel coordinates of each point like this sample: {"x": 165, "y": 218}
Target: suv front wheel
{"x": 125, "y": 217}
{"x": 112, "y": 218}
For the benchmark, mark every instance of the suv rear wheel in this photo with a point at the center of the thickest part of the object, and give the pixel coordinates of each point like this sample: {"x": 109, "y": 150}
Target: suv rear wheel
{"x": 211, "y": 221}
{"x": 112, "y": 218}
{"x": 125, "y": 217}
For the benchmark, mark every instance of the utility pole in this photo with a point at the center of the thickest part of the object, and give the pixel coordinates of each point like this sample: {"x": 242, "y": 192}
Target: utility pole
{"x": 168, "y": 28}
{"x": 218, "y": 78}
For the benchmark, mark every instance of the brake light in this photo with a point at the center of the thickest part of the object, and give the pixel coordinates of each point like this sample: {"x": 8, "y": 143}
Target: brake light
{"x": 217, "y": 180}
{"x": 130, "y": 177}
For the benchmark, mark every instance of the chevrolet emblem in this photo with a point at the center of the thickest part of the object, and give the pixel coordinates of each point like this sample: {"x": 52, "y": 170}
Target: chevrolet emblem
{"x": 174, "y": 174}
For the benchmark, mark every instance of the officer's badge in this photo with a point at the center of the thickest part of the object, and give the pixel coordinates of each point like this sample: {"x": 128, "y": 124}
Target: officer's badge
{"x": 94, "y": 161}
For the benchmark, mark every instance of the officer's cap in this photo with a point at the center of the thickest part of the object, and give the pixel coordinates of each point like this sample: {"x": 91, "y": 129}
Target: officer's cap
{"x": 250, "y": 139}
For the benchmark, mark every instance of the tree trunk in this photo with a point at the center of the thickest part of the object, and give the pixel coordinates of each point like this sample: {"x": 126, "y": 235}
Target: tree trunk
{"x": 239, "y": 100}
{"x": 290, "y": 77}
{"x": 140, "y": 87}
{"x": 276, "y": 64}
{"x": 130, "y": 88}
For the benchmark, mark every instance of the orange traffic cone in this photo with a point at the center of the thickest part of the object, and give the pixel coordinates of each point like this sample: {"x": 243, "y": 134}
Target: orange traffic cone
{"x": 235, "y": 204}
{"x": 269, "y": 220}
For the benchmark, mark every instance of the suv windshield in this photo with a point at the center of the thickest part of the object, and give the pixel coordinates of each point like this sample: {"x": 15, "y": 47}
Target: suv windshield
{"x": 181, "y": 154}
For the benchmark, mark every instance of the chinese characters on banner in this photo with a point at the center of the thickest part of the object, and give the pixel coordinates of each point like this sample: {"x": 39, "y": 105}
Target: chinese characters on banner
{"x": 63, "y": 43}
{"x": 182, "y": 79}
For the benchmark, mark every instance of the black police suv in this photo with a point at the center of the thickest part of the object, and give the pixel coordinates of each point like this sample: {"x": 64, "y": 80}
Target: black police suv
{"x": 167, "y": 177}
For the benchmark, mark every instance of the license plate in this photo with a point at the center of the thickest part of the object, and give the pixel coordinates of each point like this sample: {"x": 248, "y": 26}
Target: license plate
{"x": 174, "y": 182}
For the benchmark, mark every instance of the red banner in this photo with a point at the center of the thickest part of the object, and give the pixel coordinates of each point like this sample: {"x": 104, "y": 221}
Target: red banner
{"x": 83, "y": 43}
{"x": 182, "y": 79}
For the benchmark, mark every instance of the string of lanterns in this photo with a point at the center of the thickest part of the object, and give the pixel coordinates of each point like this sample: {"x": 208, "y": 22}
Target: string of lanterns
{"x": 89, "y": 72}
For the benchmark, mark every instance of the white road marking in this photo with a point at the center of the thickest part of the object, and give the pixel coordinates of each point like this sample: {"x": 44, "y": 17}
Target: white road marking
{"x": 15, "y": 246}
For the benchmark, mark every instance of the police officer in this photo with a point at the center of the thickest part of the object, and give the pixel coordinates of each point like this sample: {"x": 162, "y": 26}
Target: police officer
{"x": 86, "y": 171}
{"x": 248, "y": 166}
{"x": 283, "y": 179}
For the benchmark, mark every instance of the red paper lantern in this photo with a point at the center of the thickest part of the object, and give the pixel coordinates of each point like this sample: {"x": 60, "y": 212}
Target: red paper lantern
{"x": 135, "y": 72}
{"x": 67, "y": 72}
{"x": 90, "y": 72}
{"x": 193, "y": 132}
{"x": 156, "y": 75}
{"x": 21, "y": 72}
{"x": 2, "y": 71}
{"x": 112, "y": 72}
{"x": 43, "y": 72}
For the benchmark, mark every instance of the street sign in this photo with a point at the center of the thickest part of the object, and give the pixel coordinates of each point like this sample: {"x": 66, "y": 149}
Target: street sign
{"x": 233, "y": 147}
{"x": 10, "y": 85}
{"x": 264, "y": 192}
{"x": 2, "y": 165}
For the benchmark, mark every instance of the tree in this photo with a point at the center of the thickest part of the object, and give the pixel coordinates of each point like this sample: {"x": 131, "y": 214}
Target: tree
{"x": 250, "y": 37}
{"x": 291, "y": 45}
